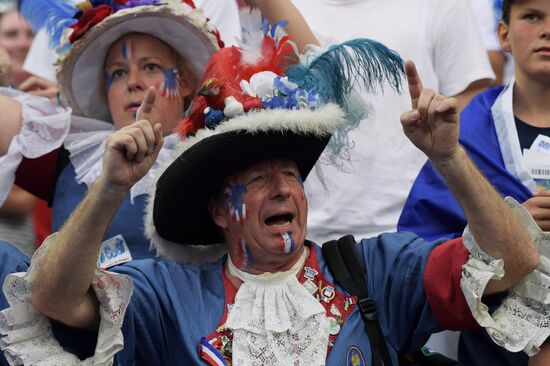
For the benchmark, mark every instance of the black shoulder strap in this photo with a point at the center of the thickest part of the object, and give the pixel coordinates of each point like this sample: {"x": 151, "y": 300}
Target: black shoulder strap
{"x": 345, "y": 265}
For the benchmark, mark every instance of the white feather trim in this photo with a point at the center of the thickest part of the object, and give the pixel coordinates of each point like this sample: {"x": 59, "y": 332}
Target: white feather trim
{"x": 320, "y": 122}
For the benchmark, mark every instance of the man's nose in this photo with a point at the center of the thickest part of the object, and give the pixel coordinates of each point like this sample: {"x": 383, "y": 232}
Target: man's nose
{"x": 280, "y": 187}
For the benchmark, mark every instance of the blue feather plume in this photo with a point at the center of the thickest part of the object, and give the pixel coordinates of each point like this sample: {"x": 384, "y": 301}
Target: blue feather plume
{"x": 53, "y": 15}
{"x": 335, "y": 72}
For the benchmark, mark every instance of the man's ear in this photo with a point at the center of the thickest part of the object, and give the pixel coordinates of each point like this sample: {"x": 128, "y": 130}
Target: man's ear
{"x": 218, "y": 212}
{"x": 503, "y": 33}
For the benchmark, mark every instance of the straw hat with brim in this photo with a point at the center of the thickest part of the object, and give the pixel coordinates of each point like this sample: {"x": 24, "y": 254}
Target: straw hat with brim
{"x": 177, "y": 214}
{"x": 81, "y": 74}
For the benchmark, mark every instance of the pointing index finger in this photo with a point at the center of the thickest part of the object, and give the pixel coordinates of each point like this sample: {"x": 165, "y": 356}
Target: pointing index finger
{"x": 146, "y": 105}
{"x": 415, "y": 84}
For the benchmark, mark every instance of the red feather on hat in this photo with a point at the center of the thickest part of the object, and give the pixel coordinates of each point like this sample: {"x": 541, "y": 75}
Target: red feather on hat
{"x": 228, "y": 67}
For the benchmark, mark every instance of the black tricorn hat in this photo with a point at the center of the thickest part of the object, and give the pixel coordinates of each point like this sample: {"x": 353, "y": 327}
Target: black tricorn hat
{"x": 178, "y": 209}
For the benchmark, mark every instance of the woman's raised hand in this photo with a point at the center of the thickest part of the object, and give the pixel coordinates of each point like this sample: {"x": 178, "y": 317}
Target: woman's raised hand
{"x": 131, "y": 151}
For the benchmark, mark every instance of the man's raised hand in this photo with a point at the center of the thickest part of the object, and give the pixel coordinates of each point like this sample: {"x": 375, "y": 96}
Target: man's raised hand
{"x": 432, "y": 124}
{"x": 131, "y": 151}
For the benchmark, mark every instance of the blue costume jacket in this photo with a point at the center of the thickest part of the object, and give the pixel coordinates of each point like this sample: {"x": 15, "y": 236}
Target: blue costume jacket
{"x": 414, "y": 284}
{"x": 175, "y": 305}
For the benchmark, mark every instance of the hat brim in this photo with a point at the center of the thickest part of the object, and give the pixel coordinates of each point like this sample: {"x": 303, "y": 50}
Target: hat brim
{"x": 180, "y": 213}
{"x": 81, "y": 74}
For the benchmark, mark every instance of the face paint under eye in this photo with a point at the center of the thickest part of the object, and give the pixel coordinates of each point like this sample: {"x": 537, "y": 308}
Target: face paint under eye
{"x": 243, "y": 258}
{"x": 108, "y": 82}
{"x": 170, "y": 87}
{"x": 128, "y": 50}
{"x": 288, "y": 242}
{"x": 237, "y": 208}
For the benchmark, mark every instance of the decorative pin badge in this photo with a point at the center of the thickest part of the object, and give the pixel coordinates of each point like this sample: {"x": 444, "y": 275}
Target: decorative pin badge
{"x": 354, "y": 357}
{"x": 334, "y": 326}
{"x": 347, "y": 303}
{"x": 327, "y": 294}
{"x": 310, "y": 273}
{"x": 334, "y": 310}
{"x": 310, "y": 286}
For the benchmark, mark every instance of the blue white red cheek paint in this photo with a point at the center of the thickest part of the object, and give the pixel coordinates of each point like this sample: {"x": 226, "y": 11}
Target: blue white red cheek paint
{"x": 128, "y": 50}
{"x": 237, "y": 208}
{"x": 288, "y": 242}
{"x": 170, "y": 86}
{"x": 243, "y": 258}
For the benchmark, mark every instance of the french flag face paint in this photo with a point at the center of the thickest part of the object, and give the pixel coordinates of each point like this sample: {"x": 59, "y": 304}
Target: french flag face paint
{"x": 128, "y": 50}
{"x": 170, "y": 87}
{"x": 243, "y": 258}
{"x": 108, "y": 82}
{"x": 237, "y": 208}
{"x": 288, "y": 242}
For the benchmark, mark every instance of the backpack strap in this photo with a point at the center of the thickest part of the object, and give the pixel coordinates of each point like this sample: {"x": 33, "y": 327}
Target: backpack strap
{"x": 345, "y": 265}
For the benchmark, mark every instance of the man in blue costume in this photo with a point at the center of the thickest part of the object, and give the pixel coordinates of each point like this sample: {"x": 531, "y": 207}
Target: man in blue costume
{"x": 496, "y": 127}
{"x": 236, "y": 187}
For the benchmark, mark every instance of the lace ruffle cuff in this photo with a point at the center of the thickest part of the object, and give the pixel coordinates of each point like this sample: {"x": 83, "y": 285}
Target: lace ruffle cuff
{"x": 44, "y": 128}
{"x": 522, "y": 322}
{"x": 28, "y": 334}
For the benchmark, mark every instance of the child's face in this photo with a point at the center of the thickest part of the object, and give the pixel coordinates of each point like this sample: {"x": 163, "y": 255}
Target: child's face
{"x": 527, "y": 36}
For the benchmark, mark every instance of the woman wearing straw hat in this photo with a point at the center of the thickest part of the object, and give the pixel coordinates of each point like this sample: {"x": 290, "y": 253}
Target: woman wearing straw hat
{"x": 106, "y": 64}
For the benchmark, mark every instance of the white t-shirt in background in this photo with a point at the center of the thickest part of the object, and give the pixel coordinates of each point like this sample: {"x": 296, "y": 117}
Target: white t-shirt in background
{"x": 441, "y": 37}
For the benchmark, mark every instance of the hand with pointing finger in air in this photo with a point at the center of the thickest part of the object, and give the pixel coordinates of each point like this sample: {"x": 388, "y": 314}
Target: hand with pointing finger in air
{"x": 432, "y": 124}
{"x": 131, "y": 151}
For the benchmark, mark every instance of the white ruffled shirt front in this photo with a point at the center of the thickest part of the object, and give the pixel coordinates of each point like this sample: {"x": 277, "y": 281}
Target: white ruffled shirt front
{"x": 276, "y": 321}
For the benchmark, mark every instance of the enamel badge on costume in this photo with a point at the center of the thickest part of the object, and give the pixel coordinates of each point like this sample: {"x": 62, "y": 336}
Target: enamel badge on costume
{"x": 354, "y": 357}
{"x": 310, "y": 273}
{"x": 327, "y": 294}
{"x": 310, "y": 286}
{"x": 347, "y": 303}
{"x": 113, "y": 251}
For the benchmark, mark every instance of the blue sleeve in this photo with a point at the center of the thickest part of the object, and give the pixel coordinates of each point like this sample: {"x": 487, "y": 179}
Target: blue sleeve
{"x": 11, "y": 260}
{"x": 395, "y": 266}
{"x": 172, "y": 307}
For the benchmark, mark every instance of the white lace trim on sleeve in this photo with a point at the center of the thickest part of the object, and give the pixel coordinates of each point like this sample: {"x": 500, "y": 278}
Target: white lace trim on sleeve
{"x": 43, "y": 130}
{"x": 29, "y": 339}
{"x": 521, "y": 322}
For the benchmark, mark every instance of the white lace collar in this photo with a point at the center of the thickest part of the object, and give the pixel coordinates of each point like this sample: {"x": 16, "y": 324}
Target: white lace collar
{"x": 86, "y": 145}
{"x": 276, "y": 321}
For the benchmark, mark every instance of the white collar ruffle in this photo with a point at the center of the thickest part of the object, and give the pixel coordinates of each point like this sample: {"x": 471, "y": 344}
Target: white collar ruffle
{"x": 276, "y": 321}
